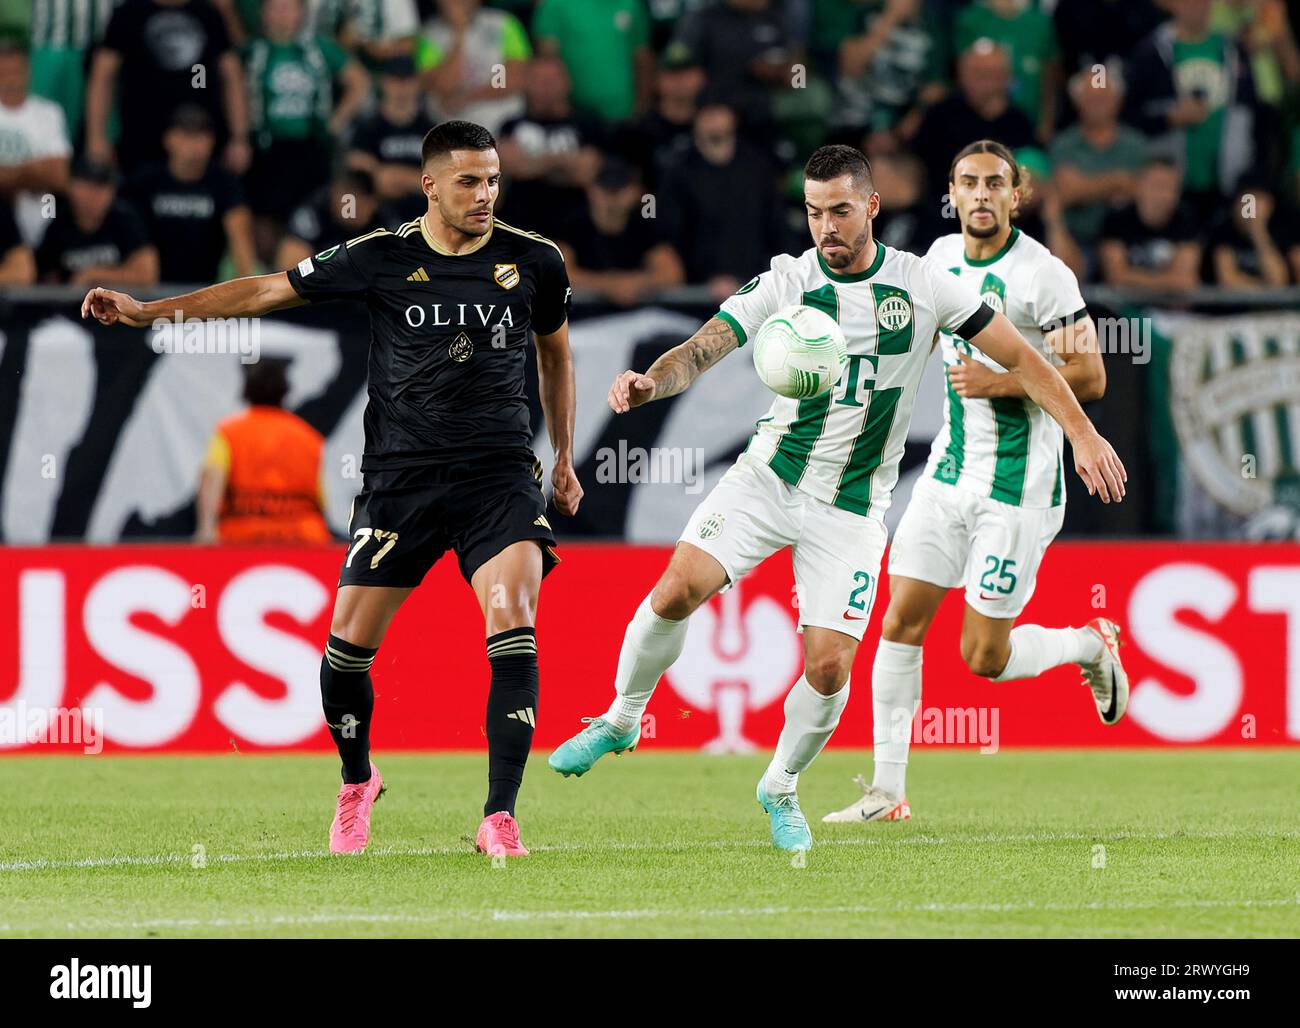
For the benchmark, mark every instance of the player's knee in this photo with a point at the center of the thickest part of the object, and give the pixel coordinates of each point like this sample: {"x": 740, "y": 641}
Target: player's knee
{"x": 897, "y": 627}
{"x": 984, "y": 659}
{"x": 676, "y": 596}
{"x": 352, "y": 627}
{"x": 828, "y": 672}
{"x": 507, "y": 610}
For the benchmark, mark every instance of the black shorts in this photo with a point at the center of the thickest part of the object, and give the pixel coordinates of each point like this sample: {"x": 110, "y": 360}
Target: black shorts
{"x": 404, "y": 519}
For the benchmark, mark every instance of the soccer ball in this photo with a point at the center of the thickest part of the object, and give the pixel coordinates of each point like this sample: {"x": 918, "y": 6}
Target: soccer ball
{"x": 800, "y": 352}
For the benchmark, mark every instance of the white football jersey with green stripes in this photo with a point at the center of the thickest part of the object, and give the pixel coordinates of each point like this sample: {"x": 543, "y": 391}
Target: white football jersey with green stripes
{"x": 70, "y": 24}
{"x": 844, "y": 447}
{"x": 1005, "y": 447}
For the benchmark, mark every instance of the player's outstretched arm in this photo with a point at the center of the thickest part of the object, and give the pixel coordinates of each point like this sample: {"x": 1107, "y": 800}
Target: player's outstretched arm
{"x": 1095, "y": 460}
{"x": 1076, "y": 344}
{"x": 676, "y": 369}
{"x": 238, "y": 298}
{"x": 559, "y": 400}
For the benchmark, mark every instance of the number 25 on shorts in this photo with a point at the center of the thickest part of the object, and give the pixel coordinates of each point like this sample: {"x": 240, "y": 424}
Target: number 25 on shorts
{"x": 1001, "y": 568}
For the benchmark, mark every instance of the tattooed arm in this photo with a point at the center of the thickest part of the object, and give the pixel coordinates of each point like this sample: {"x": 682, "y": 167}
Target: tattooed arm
{"x": 674, "y": 370}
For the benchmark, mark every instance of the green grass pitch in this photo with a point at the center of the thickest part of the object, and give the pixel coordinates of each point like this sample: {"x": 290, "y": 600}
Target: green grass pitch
{"x": 1036, "y": 843}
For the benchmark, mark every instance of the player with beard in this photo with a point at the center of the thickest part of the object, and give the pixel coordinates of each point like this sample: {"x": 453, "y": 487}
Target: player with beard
{"x": 817, "y": 474}
{"x": 453, "y": 296}
{"x": 992, "y": 496}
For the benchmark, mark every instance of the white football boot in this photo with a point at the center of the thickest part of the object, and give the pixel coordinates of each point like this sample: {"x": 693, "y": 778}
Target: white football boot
{"x": 875, "y": 805}
{"x": 1106, "y": 676}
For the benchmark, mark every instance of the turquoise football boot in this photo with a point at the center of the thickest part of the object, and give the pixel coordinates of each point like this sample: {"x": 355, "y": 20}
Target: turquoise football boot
{"x": 789, "y": 826}
{"x": 576, "y": 756}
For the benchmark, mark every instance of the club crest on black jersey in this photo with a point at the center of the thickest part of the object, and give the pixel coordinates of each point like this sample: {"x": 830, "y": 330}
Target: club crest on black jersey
{"x": 449, "y": 334}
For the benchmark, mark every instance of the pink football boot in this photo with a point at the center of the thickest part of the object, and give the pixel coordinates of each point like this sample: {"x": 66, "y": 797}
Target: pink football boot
{"x": 350, "y": 831}
{"x": 498, "y": 836}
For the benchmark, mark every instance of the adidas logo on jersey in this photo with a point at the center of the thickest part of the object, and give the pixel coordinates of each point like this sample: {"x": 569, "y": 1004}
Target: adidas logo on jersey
{"x": 541, "y": 520}
{"x": 418, "y": 275}
{"x": 525, "y": 715}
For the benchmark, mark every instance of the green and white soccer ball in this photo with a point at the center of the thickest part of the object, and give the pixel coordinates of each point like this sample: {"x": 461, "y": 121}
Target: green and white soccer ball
{"x": 800, "y": 352}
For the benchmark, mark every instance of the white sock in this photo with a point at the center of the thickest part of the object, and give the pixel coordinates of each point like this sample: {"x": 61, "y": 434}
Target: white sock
{"x": 895, "y": 695}
{"x": 810, "y": 719}
{"x": 650, "y": 646}
{"x": 1035, "y": 649}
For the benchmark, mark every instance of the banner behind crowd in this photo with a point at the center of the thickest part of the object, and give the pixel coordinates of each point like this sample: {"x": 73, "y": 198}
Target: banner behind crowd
{"x": 103, "y": 431}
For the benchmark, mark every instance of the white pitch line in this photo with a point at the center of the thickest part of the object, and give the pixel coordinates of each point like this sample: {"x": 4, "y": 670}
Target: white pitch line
{"x": 902, "y": 908}
{"x": 166, "y": 859}
{"x": 162, "y": 859}
{"x": 524, "y": 916}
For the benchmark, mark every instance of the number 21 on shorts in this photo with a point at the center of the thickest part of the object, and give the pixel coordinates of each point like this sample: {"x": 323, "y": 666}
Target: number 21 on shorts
{"x": 861, "y": 597}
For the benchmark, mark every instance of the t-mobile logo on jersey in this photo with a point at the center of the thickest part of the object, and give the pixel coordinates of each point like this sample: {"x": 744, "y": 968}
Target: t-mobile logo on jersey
{"x": 103, "y": 981}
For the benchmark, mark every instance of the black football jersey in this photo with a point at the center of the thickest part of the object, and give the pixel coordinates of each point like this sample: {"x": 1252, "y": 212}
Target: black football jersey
{"x": 448, "y": 335}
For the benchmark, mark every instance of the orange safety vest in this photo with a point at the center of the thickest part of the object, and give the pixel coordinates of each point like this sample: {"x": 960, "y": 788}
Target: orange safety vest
{"x": 273, "y": 482}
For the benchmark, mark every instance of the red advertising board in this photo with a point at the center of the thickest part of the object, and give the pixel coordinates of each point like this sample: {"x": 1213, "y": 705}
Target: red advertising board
{"x": 194, "y": 649}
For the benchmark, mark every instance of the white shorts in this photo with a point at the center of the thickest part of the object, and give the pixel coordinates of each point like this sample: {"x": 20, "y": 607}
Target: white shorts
{"x": 751, "y": 514}
{"x": 950, "y": 536}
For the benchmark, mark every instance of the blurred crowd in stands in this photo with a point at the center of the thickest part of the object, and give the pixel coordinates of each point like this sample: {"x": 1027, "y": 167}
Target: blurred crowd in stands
{"x": 660, "y": 142}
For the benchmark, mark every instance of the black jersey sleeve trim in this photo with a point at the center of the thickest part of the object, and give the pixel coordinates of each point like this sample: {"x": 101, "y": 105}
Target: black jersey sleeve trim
{"x": 550, "y": 331}
{"x": 976, "y": 323}
{"x": 295, "y": 280}
{"x": 1069, "y": 319}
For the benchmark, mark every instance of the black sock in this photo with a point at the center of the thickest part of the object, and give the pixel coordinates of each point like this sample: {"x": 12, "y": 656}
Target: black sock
{"x": 349, "y": 700}
{"x": 511, "y": 714}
